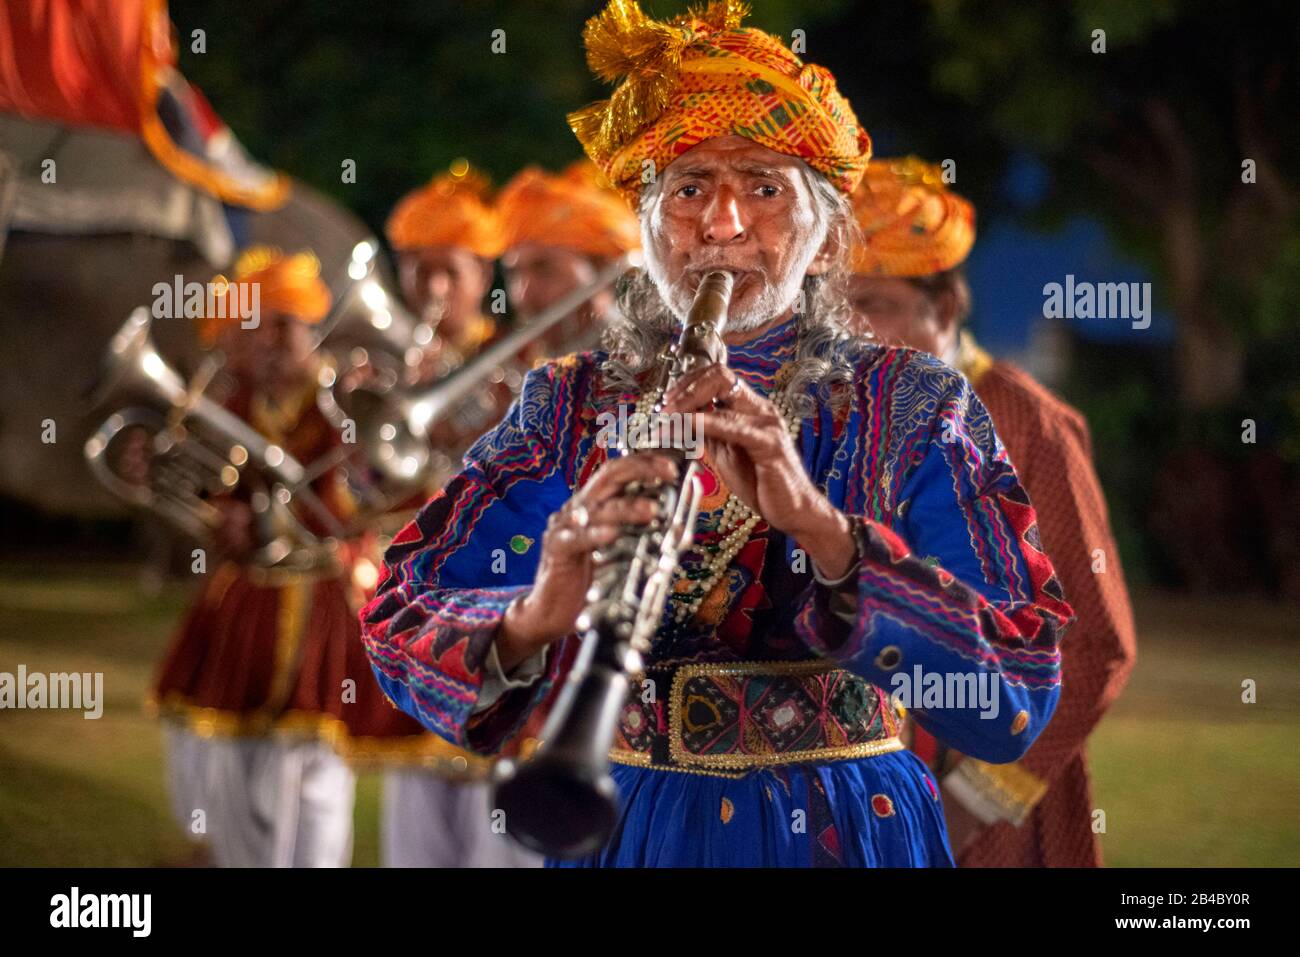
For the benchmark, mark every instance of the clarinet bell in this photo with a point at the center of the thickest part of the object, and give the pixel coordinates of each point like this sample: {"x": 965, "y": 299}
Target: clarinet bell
{"x": 563, "y": 802}
{"x": 554, "y": 808}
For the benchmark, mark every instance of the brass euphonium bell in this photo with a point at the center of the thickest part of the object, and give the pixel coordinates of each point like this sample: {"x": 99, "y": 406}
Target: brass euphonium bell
{"x": 194, "y": 449}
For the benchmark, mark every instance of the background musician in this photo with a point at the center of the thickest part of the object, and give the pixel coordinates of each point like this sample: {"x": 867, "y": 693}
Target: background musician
{"x": 265, "y": 680}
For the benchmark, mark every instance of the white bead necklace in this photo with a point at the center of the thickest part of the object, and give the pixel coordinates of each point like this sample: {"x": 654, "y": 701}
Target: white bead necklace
{"x": 736, "y": 523}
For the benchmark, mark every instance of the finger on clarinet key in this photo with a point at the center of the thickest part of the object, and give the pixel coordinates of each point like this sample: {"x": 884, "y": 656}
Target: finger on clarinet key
{"x": 614, "y": 475}
{"x": 687, "y": 384}
{"x": 629, "y": 511}
{"x": 713, "y": 383}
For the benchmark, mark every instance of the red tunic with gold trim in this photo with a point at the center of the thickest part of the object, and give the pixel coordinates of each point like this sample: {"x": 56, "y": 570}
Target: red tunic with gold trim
{"x": 279, "y": 652}
{"x": 1044, "y": 799}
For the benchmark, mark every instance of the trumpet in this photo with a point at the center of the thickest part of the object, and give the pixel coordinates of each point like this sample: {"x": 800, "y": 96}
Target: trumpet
{"x": 409, "y": 436}
{"x": 197, "y": 449}
{"x": 563, "y": 802}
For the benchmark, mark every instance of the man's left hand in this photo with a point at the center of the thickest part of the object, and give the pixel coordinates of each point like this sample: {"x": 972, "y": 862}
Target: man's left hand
{"x": 748, "y": 444}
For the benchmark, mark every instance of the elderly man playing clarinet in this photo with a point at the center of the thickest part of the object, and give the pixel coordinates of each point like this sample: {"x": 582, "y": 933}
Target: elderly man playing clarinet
{"x": 862, "y": 545}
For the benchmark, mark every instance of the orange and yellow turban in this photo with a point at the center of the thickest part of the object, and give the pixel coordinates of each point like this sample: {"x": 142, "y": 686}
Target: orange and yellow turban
{"x": 700, "y": 76}
{"x": 453, "y": 209}
{"x": 576, "y": 209}
{"x": 285, "y": 284}
{"x": 911, "y": 224}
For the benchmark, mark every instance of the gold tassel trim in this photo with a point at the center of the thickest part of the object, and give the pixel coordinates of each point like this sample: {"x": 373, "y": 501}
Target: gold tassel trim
{"x": 623, "y": 44}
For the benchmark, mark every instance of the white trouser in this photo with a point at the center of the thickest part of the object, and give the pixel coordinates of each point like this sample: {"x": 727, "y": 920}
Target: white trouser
{"x": 430, "y": 821}
{"x": 266, "y": 802}
{"x": 186, "y": 754}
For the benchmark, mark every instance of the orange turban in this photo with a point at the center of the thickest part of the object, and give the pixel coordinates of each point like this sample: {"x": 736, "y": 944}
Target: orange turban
{"x": 576, "y": 209}
{"x": 911, "y": 224}
{"x": 284, "y": 284}
{"x": 700, "y": 76}
{"x": 452, "y": 210}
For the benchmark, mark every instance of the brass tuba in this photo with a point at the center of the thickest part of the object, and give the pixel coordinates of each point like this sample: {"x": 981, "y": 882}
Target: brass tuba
{"x": 195, "y": 449}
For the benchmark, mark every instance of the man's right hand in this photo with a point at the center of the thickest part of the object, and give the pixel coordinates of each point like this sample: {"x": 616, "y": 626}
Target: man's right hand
{"x": 593, "y": 517}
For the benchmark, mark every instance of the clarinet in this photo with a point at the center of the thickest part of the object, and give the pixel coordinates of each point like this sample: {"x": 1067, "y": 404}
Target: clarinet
{"x": 563, "y": 801}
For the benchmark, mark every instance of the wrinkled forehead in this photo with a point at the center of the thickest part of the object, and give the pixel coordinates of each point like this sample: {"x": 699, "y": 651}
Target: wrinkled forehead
{"x": 737, "y": 157}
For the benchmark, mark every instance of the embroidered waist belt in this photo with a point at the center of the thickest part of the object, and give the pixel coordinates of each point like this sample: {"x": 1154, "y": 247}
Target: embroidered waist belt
{"x": 729, "y": 718}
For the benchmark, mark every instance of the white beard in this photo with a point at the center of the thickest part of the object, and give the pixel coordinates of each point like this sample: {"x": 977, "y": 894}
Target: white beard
{"x": 772, "y": 299}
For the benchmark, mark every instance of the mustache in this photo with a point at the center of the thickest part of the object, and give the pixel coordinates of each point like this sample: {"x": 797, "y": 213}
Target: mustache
{"x": 696, "y": 272}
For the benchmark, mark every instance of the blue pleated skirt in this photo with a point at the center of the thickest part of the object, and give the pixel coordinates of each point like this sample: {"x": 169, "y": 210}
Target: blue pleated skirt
{"x": 881, "y": 811}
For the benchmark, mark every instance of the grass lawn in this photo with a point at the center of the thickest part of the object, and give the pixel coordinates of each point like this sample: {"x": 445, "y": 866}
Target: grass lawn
{"x": 79, "y": 792}
{"x": 1187, "y": 774}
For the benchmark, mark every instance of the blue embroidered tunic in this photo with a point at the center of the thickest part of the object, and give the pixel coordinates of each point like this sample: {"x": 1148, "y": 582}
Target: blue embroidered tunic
{"x": 953, "y": 582}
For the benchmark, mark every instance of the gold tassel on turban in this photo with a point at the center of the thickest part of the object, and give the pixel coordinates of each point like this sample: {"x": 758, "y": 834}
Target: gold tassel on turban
{"x": 911, "y": 224}
{"x": 700, "y": 76}
{"x": 284, "y": 284}
{"x": 576, "y": 210}
{"x": 453, "y": 209}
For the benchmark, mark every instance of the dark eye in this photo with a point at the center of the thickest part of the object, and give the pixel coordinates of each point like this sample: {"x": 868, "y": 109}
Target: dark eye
{"x": 688, "y": 186}
{"x": 768, "y": 190}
